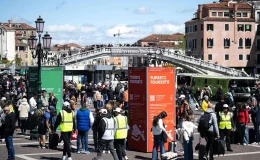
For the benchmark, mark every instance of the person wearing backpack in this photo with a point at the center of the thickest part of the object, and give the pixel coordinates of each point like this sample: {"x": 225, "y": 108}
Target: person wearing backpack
{"x": 183, "y": 109}
{"x": 208, "y": 129}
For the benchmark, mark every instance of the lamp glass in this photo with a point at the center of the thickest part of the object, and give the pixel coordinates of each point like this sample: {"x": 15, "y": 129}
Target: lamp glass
{"x": 47, "y": 41}
{"x": 32, "y": 42}
{"x": 39, "y": 25}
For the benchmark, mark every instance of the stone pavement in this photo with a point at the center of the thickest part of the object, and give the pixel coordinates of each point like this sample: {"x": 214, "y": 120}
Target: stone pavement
{"x": 26, "y": 149}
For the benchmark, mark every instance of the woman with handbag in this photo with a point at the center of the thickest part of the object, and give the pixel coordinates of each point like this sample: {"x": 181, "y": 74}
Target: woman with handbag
{"x": 159, "y": 135}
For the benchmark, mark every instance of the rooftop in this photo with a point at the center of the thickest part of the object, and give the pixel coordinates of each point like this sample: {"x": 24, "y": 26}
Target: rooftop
{"x": 226, "y": 5}
{"x": 163, "y": 37}
{"x": 17, "y": 26}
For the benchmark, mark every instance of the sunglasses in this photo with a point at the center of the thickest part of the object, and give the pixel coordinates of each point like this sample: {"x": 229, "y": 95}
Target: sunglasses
{"x": 6, "y": 110}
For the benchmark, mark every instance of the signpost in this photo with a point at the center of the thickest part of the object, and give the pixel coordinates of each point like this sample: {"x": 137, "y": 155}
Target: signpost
{"x": 151, "y": 91}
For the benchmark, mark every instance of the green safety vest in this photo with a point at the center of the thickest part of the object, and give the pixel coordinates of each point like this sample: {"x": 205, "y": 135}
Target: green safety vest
{"x": 225, "y": 120}
{"x": 121, "y": 127}
{"x": 66, "y": 124}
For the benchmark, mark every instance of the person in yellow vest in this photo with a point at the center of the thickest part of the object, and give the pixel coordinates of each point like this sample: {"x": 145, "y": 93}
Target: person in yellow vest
{"x": 121, "y": 133}
{"x": 66, "y": 121}
{"x": 226, "y": 124}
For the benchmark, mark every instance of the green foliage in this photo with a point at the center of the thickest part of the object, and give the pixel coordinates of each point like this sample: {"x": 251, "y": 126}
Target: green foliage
{"x": 18, "y": 61}
{"x": 182, "y": 44}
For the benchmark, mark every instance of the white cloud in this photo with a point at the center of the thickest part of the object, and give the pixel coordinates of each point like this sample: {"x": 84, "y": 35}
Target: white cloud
{"x": 143, "y": 10}
{"x": 70, "y": 28}
{"x": 168, "y": 27}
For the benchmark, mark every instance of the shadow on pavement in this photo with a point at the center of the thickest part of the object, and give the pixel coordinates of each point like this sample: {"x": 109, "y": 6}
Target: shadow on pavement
{"x": 141, "y": 157}
{"x": 48, "y": 158}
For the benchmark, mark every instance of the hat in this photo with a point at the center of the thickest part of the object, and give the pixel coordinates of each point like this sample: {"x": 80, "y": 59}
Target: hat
{"x": 118, "y": 110}
{"x": 225, "y": 106}
{"x": 66, "y": 104}
{"x": 103, "y": 111}
{"x": 24, "y": 100}
{"x": 206, "y": 97}
{"x": 182, "y": 96}
{"x": 3, "y": 99}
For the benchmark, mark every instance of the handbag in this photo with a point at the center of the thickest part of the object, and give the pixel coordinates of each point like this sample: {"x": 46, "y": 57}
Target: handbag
{"x": 164, "y": 136}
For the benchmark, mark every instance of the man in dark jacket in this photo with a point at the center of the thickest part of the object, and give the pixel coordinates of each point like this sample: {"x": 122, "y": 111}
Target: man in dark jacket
{"x": 9, "y": 127}
{"x": 219, "y": 105}
{"x": 106, "y": 133}
{"x": 256, "y": 110}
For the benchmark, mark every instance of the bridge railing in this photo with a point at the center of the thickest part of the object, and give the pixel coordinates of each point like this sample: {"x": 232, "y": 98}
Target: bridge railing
{"x": 167, "y": 53}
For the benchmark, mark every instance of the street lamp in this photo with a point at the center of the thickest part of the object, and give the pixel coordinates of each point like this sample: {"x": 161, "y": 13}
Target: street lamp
{"x": 38, "y": 52}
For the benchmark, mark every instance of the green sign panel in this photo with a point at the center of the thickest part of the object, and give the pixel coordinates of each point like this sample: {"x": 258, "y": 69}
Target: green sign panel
{"x": 52, "y": 81}
{"x": 33, "y": 81}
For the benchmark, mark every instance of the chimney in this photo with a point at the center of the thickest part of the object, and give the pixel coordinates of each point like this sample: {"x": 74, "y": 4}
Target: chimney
{"x": 200, "y": 11}
{"x": 10, "y": 23}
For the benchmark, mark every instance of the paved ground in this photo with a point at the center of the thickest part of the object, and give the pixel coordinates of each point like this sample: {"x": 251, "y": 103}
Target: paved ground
{"x": 27, "y": 150}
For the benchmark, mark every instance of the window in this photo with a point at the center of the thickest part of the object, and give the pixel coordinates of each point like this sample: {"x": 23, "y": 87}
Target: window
{"x": 240, "y": 27}
{"x": 226, "y": 42}
{"x": 248, "y": 57}
{"x": 240, "y": 57}
{"x": 248, "y": 27}
{"x": 226, "y": 27}
{"x": 258, "y": 44}
{"x": 214, "y": 14}
{"x": 3, "y": 32}
{"x": 210, "y": 27}
{"x": 201, "y": 27}
{"x": 258, "y": 16}
{"x": 226, "y": 57}
{"x": 210, "y": 42}
{"x": 258, "y": 29}
{"x": 238, "y": 14}
{"x": 24, "y": 32}
{"x": 201, "y": 42}
{"x": 240, "y": 43}
{"x": 220, "y": 14}
{"x": 245, "y": 14}
{"x": 195, "y": 28}
{"x": 194, "y": 43}
{"x": 248, "y": 42}
{"x": 226, "y": 14}
{"x": 210, "y": 57}
{"x": 186, "y": 29}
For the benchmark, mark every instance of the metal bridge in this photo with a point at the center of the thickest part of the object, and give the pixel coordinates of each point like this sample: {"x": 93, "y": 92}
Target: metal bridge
{"x": 190, "y": 63}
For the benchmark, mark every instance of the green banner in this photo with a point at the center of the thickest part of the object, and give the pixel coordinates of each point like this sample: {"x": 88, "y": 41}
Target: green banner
{"x": 52, "y": 81}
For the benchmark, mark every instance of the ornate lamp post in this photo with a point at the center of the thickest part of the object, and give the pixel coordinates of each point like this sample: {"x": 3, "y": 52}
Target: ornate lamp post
{"x": 38, "y": 52}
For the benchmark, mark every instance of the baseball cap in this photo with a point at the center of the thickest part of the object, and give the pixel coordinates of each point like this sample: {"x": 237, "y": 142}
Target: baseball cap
{"x": 103, "y": 111}
{"x": 182, "y": 96}
{"x": 66, "y": 104}
{"x": 118, "y": 110}
{"x": 225, "y": 106}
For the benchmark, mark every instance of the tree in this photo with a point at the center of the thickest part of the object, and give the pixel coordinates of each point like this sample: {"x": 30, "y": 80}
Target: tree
{"x": 182, "y": 44}
{"x": 5, "y": 61}
{"x": 18, "y": 61}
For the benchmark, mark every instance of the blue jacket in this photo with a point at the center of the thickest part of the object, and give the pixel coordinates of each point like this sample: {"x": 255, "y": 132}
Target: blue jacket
{"x": 83, "y": 121}
{"x": 256, "y": 111}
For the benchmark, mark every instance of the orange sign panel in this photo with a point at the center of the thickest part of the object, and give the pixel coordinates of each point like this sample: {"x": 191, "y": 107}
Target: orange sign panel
{"x": 160, "y": 97}
{"x": 151, "y": 91}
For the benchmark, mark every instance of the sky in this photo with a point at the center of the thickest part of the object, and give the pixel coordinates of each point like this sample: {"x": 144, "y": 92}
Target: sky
{"x": 87, "y": 22}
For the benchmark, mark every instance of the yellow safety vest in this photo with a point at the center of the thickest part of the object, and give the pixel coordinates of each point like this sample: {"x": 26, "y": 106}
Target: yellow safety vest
{"x": 225, "y": 120}
{"x": 66, "y": 124}
{"x": 121, "y": 127}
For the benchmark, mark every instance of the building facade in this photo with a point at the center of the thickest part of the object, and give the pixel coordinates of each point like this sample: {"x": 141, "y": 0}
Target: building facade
{"x": 22, "y": 32}
{"x": 7, "y": 43}
{"x": 223, "y": 33}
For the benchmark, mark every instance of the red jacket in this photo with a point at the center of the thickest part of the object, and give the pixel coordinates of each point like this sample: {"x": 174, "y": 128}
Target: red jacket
{"x": 242, "y": 117}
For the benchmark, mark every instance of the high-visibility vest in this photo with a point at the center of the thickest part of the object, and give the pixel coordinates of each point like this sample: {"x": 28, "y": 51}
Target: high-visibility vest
{"x": 110, "y": 129}
{"x": 121, "y": 127}
{"x": 66, "y": 124}
{"x": 225, "y": 120}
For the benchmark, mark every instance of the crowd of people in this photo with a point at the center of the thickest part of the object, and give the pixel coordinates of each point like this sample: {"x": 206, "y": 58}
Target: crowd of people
{"x": 108, "y": 122}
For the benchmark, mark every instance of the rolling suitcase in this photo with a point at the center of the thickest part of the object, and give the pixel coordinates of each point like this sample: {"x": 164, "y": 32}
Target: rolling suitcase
{"x": 53, "y": 140}
{"x": 219, "y": 147}
{"x": 202, "y": 150}
{"x": 172, "y": 146}
{"x": 234, "y": 137}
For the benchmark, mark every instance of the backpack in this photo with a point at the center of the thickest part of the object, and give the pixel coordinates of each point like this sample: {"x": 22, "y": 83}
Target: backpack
{"x": 204, "y": 124}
